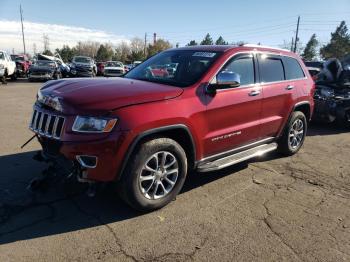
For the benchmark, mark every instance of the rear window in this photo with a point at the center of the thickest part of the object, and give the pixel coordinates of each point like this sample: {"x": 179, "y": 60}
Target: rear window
{"x": 271, "y": 69}
{"x": 292, "y": 68}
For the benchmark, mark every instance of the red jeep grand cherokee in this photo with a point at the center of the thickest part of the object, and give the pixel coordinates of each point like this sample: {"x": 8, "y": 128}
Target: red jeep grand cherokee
{"x": 219, "y": 106}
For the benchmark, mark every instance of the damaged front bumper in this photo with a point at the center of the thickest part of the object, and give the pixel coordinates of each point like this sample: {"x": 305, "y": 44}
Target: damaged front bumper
{"x": 94, "y": 161}
{"x": 94, "y": 157}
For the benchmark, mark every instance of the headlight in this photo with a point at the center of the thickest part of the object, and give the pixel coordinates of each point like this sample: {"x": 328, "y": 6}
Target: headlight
{"x": 93, "y": 124}
{"x": 53, "y": 102}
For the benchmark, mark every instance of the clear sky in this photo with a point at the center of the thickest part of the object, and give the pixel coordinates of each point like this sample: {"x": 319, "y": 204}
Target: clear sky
{"x": 268, "y": 22}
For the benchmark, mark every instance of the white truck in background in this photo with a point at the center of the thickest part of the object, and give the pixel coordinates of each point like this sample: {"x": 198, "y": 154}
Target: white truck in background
{"x": 7, "y": 66}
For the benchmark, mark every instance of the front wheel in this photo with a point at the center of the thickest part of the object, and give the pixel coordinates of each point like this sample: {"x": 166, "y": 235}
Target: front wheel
{"x": 14, "y": 76}
{"x": 294, "y": 134}
{"x": 154, "y": 175}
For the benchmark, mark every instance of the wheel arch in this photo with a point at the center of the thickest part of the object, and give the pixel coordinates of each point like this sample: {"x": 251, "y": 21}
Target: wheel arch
{"x": 303, "y": 107}
{"x": 179, "y": 132}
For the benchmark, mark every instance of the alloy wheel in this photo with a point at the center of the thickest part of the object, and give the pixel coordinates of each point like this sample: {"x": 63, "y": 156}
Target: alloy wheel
{"x": 296, "y": 134}
{"x": 158, "y": 175}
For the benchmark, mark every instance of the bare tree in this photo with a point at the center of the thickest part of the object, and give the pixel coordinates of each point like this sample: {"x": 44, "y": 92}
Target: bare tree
{"x": 122, "y": 52}
{"x": 88, "y": 48}
{"x": 137, "y": 49}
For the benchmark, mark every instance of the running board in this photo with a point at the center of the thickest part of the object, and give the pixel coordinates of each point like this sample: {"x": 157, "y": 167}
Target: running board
{"x": 236, "y": 158}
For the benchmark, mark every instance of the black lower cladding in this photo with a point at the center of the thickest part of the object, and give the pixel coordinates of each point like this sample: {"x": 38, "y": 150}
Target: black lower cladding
{"x": 51, "y": 147}
{"x": 51, "y": 153}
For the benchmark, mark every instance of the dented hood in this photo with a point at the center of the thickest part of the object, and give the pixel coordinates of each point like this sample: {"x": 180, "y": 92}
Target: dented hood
{"x": 104, "y": 95}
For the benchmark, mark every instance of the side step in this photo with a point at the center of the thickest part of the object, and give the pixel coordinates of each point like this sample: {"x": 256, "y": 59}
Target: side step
{"x": 236, "y": 158}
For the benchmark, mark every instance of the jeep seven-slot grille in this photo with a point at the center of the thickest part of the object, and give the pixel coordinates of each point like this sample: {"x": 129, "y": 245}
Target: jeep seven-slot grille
{"x": 47, "y": 124}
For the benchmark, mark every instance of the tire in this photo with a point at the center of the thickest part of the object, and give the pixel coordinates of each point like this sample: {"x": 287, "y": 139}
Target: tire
{"x": 292, "y": 138}
{"x": 146, "y": 195}
{"x": 14, "y": 76}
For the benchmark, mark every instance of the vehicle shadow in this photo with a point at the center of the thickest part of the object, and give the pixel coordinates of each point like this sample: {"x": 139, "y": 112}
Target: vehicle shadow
{"x": 63, "y": 206}
{"x": 322, "y": 129}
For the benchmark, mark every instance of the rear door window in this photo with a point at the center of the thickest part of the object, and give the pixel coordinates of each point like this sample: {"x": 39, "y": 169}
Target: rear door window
{"x": 271, "y": 68}
{"x": 292, "y": 68}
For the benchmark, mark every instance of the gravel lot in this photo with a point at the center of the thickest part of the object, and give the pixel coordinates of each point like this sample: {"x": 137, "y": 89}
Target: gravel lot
{"x": 268, "y": 209}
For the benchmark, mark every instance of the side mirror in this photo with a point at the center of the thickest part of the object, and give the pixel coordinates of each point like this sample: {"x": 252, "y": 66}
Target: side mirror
{"x": 227, "y": 79}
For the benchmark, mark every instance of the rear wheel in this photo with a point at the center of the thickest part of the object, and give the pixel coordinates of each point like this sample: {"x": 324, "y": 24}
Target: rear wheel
{"x": 154, "y": 175}
{"x": 14, "y": 76}
{"x": 294, "y": 134}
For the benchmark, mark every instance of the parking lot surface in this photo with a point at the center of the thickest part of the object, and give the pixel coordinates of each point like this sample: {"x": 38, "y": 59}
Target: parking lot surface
{"x": 267, "y": 209}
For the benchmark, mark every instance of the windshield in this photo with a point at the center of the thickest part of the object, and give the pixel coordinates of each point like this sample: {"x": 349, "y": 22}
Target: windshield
{"x": 114, "y": 64}
{"x": 45, "y": 63}
{"x": 81, "y": 59}
{"x": 19, "y": 58}
{"x": 176, "y": 67}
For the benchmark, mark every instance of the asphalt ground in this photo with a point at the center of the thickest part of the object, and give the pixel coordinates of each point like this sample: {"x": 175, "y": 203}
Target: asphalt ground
{"x": 267, "y": 209}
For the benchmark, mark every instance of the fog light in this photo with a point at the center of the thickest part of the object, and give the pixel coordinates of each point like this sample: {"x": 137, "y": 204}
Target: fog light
{"x": 87, "y": 161}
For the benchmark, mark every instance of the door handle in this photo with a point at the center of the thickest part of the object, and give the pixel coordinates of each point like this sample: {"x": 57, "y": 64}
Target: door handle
{"x": 289, "y": 87}
{"x": 254, "y": 93}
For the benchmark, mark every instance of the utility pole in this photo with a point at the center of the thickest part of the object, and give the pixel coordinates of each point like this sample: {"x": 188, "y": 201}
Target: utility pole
{"x": 154, "y": 38}
{"x": 24, "y": 43}
{"x": 292, "y": 45}
{"x": 145, "y": 47}
{"x": 296, "y": 35}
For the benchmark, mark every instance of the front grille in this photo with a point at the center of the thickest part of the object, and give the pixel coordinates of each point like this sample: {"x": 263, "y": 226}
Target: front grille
{"x": 83, "y": 69}
{"x": 114, "y": 71}
{"x": 47, "y": 124}
{"x": 40, "y": 73}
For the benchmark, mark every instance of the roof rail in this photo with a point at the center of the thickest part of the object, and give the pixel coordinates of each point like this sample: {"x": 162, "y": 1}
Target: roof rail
{"x": 264, "y": 46}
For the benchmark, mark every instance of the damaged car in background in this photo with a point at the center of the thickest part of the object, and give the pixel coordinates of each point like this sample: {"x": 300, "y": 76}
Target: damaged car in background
{"x": 83, "y": 66}
{"x": 44, "y": 70}
{"x": 332, "y": 95}
{"x": 22, "y": 64}
{"x": 64, "y": 68}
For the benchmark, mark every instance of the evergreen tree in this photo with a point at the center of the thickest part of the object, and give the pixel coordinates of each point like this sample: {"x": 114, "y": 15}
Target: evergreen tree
{"x": 104, "y": 53}
{"x": 310, "y": 51}
{"x": 220, "y": 41}
{"x": 339, "y": 44}
{"x": 207, "y": 40}
{"x": 192, "y": 42}
{"x": 66, "y": 53}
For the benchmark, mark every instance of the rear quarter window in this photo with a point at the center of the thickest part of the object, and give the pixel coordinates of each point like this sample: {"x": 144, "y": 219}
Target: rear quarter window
{"x": 271, "y": 69}
{"x": 292, "y": 68}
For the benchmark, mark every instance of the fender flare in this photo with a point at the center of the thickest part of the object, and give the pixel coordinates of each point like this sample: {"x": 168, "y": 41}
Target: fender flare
{"x": 290, "y": 115}
{"x": 154, "y": 131}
